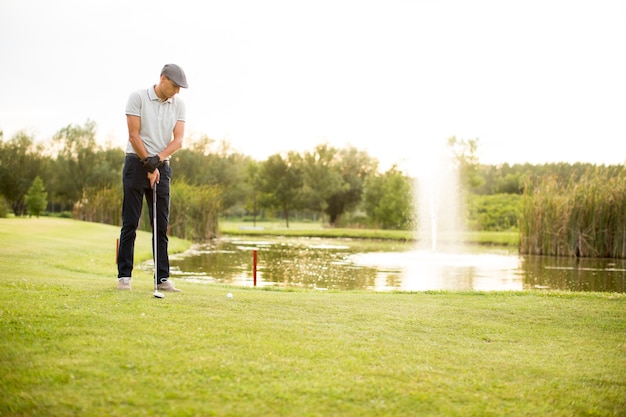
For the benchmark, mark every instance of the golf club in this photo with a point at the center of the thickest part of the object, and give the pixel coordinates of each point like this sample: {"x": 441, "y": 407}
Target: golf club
{"x": 157, "y": 294}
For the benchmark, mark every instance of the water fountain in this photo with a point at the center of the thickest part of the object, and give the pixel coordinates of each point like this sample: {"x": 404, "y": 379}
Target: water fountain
{"x": 439, "y": 260}
{"x": 439, "y": 210}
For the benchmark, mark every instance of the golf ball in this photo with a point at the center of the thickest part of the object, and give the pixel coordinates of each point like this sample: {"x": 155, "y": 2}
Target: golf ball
{"x": 229, "y": 295}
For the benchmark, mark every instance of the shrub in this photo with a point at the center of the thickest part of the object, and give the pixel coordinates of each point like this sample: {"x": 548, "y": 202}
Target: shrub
{"x": 495, "y": 212}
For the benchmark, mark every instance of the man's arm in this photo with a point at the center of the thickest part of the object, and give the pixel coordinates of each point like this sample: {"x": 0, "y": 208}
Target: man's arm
{"x": 134, "y": 124}
{"x": 176, "y": 143}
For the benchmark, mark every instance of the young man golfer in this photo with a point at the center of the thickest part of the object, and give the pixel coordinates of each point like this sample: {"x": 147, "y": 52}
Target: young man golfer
{"x": 156, "y": 126}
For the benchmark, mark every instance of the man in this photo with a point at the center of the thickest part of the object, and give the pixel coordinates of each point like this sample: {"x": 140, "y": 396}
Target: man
{"x": 156, "y": 126}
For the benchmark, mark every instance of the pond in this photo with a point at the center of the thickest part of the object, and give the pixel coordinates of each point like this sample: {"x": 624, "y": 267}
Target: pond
{"x": 346, "y": 264}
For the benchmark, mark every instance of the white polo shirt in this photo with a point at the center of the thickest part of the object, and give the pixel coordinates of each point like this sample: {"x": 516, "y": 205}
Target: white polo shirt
{"x": 158, "y": 118}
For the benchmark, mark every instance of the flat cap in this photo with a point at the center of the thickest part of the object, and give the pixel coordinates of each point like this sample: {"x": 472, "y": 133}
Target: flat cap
{"x": 176, "y": 74}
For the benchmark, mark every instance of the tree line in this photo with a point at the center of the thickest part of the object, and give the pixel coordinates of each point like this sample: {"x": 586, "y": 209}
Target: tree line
{"x": 82, "y": 179}
{"x": 72, "y": 175}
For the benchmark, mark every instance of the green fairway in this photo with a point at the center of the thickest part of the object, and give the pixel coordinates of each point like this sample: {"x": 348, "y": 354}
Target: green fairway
{"x": 72, "y": 345}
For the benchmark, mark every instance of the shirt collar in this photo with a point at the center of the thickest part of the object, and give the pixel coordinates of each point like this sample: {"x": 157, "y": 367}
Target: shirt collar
{"x": 153, "y": 95}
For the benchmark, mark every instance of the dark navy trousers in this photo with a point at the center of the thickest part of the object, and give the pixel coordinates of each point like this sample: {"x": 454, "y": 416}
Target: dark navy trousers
{"x": 136, "y": 186}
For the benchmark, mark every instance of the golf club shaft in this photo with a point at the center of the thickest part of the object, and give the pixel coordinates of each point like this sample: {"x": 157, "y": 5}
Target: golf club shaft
{"x": 154, "y": 232}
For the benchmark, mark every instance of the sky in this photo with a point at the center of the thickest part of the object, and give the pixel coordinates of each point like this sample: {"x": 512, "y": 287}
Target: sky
{"x": 533, "y": 80}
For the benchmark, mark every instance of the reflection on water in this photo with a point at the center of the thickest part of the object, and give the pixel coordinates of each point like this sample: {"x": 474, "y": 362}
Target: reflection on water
{"x": 420, "y": 270}
{"x": 382, "y": 266}
{"x": 608, "y": 275}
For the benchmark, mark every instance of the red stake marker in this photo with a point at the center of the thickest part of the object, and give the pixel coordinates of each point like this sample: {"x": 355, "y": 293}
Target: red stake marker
{"x": 254, "y": 260}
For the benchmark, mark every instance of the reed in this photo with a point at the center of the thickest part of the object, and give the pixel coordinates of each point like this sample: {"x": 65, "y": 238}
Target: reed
{"x": 194, "y": 211}
{"x": 100, "y": 205}
{"x": 582, "y": 216}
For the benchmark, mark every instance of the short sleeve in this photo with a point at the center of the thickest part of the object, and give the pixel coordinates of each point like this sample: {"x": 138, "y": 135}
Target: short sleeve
{"x": 182, "y": 109}
{"x": 133, "y": 106}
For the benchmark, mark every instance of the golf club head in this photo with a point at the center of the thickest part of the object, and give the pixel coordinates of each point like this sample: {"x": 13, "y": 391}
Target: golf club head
{"x": 158, "y": 294}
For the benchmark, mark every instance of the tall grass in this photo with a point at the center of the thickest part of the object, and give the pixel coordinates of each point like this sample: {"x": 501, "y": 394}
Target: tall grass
{"x": 581, "y": 216}
{"x": 194, "y": 211}
{"x": 100, "y": 205}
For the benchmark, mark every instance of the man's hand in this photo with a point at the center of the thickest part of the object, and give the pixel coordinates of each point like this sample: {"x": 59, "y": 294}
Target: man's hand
{"x": 153, "y": 177}
{"x": 151, "y": 163}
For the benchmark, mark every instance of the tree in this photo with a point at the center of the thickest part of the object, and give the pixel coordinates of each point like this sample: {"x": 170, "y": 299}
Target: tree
{"x": 207, "y": 162}
{"x": 20, "y": 162}
{"x": 76, "y": 162}
{"x": 354, "y": 166}
{"x": 107, "y": 170}
{"x": 322, "y": 178}
{"x": 253, "y": 185}
{"x": 36, "y": 198}
{"x": 192, "y": 161}
{"x": 281, "y": 183}
{"x": 387, "y": 200}
{"x": 4, "y": 207}
{"x": 469, "y": 168}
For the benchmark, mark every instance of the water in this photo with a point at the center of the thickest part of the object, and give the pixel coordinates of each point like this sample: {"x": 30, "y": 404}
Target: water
{"x": 438, "y": 262}
{"x": 342, "y": 264}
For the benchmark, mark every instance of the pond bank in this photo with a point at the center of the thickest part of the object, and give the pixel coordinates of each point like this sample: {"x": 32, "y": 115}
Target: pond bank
{"x": 232, "y": 228}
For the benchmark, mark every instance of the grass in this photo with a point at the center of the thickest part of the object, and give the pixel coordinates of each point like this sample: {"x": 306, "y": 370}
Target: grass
{"x": 71, "y": 345}
{"x": 278, "y": 228}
